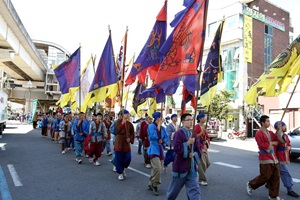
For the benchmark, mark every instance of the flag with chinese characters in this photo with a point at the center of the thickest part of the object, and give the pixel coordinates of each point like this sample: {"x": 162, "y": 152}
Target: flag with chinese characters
{"x": 68, "y": 76}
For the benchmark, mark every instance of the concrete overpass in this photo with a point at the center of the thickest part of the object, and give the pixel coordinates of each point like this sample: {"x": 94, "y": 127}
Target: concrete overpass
{"x": 26, "y": 64}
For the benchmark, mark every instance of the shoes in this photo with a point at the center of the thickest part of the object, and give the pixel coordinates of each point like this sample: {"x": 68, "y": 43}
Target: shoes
{"x": 249, "y": 189}
{"x": 109, "y": 153}
{"x": 78, "y": 160}
{"x": 114, "y": 169}
{"x": 139, "y": 153}
{"x": 91, "y": 159}
{"x": 204, "y": 183}
{"x": 155, "y": 191}
{"x": 86, "y": 156}
{"x": 150, "y": 187}
{"x": 293, "y": 194}
{"x": 63, "y": 152}
{"x": 69, "y": 148}
{"x": 102, "y": 153}
{"x": 148, "y": 166}
{"x": 121, "y": 177}
{"x": 276, "y": 198}
{"x": 165, "y": 169}
{"x": 96, "y": 163}
{"x": 124, "y": 173}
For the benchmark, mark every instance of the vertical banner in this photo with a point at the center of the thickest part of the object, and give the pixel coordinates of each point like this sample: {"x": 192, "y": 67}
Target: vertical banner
{"x": 34, "y": 107}
{"x": 248, "y": 30}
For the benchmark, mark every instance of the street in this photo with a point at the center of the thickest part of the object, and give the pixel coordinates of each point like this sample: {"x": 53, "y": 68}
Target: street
{"x": 32, "y": 167}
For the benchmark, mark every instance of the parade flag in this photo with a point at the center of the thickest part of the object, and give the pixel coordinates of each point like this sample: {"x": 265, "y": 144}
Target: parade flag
{"x": 187, "y": 97}
{"x": 105, "y": 80}
{"x": 150, "y": 58}
{"x": 182, "y": 49}
{"x": 212, "y": 69}
{"x": 152, "y": 106}
{"x": 68, "y": 76}
{"x": 86, "y": 78}
{"x": 121, "y": 57}
{"x": 280, "y": 73}
{"x": 136, "y": 99}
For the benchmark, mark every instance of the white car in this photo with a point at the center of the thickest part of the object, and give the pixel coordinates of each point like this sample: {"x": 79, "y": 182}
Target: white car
{"x": 294, "y": 136}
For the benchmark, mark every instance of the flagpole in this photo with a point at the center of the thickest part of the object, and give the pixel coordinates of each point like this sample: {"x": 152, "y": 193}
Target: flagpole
{"x": 79, "y": 78}
{"x": 200, "y": 61}
{"x": 115, "y": 64}
{"x": 287, "y": 105}
{"x": 123, "y": 67}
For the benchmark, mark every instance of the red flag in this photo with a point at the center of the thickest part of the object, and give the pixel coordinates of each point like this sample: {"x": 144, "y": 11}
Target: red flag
{"x": 186, "y": 97}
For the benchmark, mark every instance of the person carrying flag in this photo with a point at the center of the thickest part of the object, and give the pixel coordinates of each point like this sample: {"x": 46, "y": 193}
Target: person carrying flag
{"x": 158, "y": 137}
{"x": 124, "y": 136}
{"x": 187, "y": 149}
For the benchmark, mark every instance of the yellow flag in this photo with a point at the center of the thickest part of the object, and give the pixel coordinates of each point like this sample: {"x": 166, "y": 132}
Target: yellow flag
{"x": 276, "y": 79}
{"x": 152, "y": 106}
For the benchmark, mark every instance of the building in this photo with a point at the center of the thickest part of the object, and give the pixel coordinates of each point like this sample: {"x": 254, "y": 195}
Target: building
{"x": 254, "y": 33}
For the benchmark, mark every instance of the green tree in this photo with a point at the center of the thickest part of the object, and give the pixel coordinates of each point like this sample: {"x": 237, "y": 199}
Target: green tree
{"x": 219, "y": 105}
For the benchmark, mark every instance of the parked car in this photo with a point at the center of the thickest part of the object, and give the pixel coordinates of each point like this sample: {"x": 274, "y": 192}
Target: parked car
{"x": 294, "y": 136}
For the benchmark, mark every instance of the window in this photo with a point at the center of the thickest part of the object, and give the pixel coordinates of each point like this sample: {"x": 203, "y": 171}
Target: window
{"x": 212, "y": 28}
{"x": 268, "y": 46}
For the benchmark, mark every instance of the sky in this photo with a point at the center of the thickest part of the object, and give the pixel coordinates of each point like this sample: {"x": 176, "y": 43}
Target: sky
{"x": 71, "y": 23}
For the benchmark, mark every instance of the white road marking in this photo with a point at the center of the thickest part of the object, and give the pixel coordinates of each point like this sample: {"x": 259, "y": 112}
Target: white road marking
{"x": 140, "y": 172}
{"x": 14, "y": 175}
{"x": 295, "y": 180}
{"x": 213, "y": 151}
{"x": 227, "y": 165}
{"x": 2, "y": 146}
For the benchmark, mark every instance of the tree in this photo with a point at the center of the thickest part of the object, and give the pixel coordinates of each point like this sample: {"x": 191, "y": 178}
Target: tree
{"x": 219, "y": 105}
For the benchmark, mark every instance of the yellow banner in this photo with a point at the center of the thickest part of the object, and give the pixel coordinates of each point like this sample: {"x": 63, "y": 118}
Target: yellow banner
{"x": 248, "y": 30}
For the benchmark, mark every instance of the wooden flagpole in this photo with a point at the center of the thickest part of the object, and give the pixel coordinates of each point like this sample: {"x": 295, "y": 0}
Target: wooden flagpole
{"x": 133, "y": 57}
{"x": 123, "y": 67}
{"x": 200, "y": 70}
{"x": 287, "y": 105}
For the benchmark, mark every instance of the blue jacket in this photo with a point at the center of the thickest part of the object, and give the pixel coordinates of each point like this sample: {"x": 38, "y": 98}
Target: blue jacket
{"x": 153, "y": 139}
{"x": 170, "y": 130}
{"x": 56, "y": 124}
{"x": 45, "y": 121}
{"x": 84, "y": 128}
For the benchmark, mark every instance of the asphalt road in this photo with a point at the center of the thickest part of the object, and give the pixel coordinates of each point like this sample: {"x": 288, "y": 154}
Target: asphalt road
{"x": 33, "y": 167}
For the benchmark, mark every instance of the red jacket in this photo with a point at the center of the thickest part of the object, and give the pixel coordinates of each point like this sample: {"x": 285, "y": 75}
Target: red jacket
{"x": 202, "y": 138}
{"x": 266, "y": 150}
{"x": 283, "y": 149}
{"x": 144, "y": 134}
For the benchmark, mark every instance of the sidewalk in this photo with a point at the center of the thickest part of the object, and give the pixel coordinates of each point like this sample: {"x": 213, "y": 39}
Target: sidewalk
{"x": 249, "y": 144}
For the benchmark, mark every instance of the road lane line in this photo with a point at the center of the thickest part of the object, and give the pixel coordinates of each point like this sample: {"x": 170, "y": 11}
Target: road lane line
{"x": 213, "y": 151}
{"x": 140, "y": 172}
{"x": 14, "y": 175}
{"x": 3, "y": 148}
{"x": 295, "y": 180}
{"x": 5, "y": 194}
{"x": 227, "y": 165}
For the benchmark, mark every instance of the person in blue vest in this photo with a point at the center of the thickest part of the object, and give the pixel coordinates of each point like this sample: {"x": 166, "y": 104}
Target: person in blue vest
{"x": 158, "y": 138}
{"x": 81, "y": 130}
{"x": 45, "y": 123}
{"x": 57, "y": 127}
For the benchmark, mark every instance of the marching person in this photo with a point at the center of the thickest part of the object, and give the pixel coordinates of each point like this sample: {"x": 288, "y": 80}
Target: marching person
{"x": 65, "y": 127}
{"x": 283, "y": 151}
{"x": 268, "y": 163}
{"x": 112, "y": 130}
{"x": 45, "y": 123}
{"x": 204, "y": 139}
{"x": 124, "y": 136}
{"x": 137, "y": 133}
{"x": 171, "y": 129}
{"x": 187, "y": 157}
{"x": 98, "y": 135}
{"x": 81, "y": 129}
{"x": 57, "y": 127}
{"x": 106, "y": 143}
{"x": 158, "y": 137}
{"x": 144, "y": 138}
